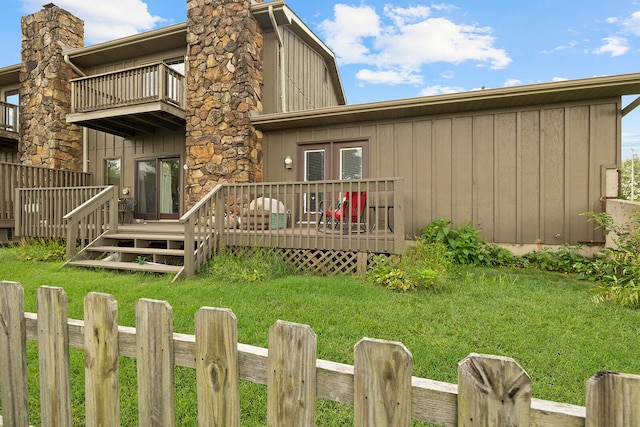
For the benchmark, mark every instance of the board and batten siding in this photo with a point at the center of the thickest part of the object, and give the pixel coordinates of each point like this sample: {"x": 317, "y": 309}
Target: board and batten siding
{"x": 521, "y": 176}
{"x": 107, "y": 146}
{"x": 308, "y": 85}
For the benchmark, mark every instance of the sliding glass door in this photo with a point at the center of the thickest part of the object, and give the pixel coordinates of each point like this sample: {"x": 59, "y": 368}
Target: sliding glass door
{"x": 158, "y": 188}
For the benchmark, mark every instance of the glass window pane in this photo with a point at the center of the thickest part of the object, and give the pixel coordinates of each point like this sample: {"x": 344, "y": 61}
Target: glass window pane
{"x": 147, "y": 179}
{"x": 314, "y": 165}
{"x": 351, "y": 163}
{"x": 113, "y": 172}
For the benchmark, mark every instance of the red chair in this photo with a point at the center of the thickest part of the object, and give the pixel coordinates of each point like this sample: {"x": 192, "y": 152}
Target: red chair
{"x": 348, "y": 215}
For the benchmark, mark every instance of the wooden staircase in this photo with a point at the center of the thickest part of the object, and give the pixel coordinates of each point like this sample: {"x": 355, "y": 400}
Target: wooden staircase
{"x": 155, "y": 247}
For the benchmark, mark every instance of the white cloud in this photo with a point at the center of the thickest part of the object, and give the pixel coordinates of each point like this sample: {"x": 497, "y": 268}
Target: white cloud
{"x": 512, "y": 82}
{"x": 440, "y": 90}
{"x": 389, "y": 77}
{"x": 401, "y": 41}
{"x": 613, "y": 46}
{"x": 105, "y": 20}
{"x": 632, "y": 24}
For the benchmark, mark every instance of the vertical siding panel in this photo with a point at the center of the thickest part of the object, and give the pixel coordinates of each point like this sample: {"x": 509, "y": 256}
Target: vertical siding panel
{"x": 577, "y": 173}
{"x": 387, "y": 150}
{"x": 442, "y": 168}
{"x": 422, "y": 191}
{"x": 530, "y": 177}
{"x": 462, "y": 164}
{"x": 552, "y": 126}
{"x": 483, "y": 167}
{"x": 404, "y": 161}
{"x": 505, "y": 178}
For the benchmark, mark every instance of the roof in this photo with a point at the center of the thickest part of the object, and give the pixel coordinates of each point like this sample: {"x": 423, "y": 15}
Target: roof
{"x": 478, "y": 100}
{"x": 10, "y": 75}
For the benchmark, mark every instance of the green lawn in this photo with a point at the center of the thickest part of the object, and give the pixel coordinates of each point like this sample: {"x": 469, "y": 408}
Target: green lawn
{"x": 547, "y": 322}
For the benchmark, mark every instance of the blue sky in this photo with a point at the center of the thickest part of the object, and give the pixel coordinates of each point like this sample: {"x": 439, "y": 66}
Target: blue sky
{"x": 390, "y": 49}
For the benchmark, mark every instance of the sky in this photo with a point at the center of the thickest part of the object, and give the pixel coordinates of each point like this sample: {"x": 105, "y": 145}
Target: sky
{"x": 393, "y": 49}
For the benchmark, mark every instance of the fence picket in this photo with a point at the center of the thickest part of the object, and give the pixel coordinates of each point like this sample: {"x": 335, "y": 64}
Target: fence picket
{"x": 102, "y": 401}
{"x": 217, "y": 371}
{"x": 53, "y": 357}
{"x": 493, "y": 391}
{"x": 155, "y": 362}
{"x": 13, "y": 355}
{"x": 382, "y": 383}
{"x": 613, "y": 400}
{"x": 291, "y": 376}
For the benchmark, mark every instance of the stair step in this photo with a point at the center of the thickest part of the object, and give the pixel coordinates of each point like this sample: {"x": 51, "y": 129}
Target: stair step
{"x": 140, "y": 251}
{"x": 149, "y": 267}
{"x": 147, "y": 236}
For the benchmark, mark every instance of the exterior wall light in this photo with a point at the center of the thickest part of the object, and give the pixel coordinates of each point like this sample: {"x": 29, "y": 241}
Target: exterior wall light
{"x": 288, "y": 162}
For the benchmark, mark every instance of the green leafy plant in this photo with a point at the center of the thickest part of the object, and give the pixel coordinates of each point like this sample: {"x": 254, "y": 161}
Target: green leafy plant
{"x": 423, "y": 265}
{"x": 41, "y": 250}
{"x": 465, "y": 244}
{"x": 249, "y": 265}
{"x": 617, "y": 270}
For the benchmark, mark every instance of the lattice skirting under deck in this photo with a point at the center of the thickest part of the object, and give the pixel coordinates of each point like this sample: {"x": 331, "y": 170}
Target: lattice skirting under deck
{"x": 322, "y": 262}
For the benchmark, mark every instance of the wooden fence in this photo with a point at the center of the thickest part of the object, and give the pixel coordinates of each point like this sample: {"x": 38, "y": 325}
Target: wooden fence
{"x": 42, "y": 212}
{"x": 14, "y": 176}
{"x": 491, "y": 390}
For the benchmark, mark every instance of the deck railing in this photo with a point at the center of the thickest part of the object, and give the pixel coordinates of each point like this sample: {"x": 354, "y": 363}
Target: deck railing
{"x": 155, "y": 82}
{"x": 91, "y": 219}
{"x": 491, "y": 390}
{"x": 8, "y": 117}
{"x": 14, "y": 176}
{"x": 41, "y": 212}
{"x": 292, "y": 215}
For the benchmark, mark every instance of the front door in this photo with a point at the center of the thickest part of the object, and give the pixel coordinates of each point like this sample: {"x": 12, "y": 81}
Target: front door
{"x": 331, "y": 161}
{"x": 157, "y": 188}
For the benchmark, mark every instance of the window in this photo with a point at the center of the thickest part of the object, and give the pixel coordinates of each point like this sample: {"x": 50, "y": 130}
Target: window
{"x": 113, "y": 172}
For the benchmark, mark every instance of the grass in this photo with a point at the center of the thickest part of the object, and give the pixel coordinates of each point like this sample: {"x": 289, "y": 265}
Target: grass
{"x": 547, "y": 322}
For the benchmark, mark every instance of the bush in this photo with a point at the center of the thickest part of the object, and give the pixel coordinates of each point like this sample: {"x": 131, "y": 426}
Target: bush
{"x": 423, "y": 265}
{"x": 566, "y": 259}
{"x": 249, "y": 265}
{"x": 41, "y": 250}
{"x": 465, "y": 244}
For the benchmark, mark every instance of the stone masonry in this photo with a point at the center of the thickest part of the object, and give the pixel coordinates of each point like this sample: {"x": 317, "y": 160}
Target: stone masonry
{"x": 45, "y": 90}
{"x": 224, "y": 85}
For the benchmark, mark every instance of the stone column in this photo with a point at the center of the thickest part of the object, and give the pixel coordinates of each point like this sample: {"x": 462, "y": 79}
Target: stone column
{"x": 45, "y": 90}
{"x": 224, "y": 80}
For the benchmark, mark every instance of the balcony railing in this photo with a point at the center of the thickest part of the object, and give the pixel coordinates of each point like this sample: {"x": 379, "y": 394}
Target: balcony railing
{"x": 8, "y": 117}
{"x": 133, "y": 86}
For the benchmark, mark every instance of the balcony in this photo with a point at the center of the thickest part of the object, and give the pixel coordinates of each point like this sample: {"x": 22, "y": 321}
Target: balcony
{"x": 8, "y": 125}
{"x": 146, "y": 99}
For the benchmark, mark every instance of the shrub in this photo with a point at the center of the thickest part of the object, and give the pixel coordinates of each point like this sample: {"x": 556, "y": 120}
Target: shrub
{"x": 249, "y": 266}
{"x": 566, "y": 259}
{"x": 41, "y": 250}
{"x": 617, "y": 271}
{"x": 465, "y": 244}
{"x": 423, "y": 265}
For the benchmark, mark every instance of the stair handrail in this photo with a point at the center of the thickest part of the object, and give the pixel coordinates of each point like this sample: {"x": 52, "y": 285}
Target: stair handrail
{"x": 200, "y": 221}
{"x": 97, "y": 214}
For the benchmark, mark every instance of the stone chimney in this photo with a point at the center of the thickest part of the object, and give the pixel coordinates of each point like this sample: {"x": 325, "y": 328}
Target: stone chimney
{"x": 45, "y": 90}
{"x": 224, "y": 80}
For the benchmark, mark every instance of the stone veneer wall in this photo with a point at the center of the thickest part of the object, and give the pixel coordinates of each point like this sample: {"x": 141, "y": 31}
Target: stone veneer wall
{"x": 45, "y": 90}
{"x": 224, "y": 81}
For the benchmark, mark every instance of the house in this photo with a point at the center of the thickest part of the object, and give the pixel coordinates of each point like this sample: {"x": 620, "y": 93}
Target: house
{"x": 244, "y": 94}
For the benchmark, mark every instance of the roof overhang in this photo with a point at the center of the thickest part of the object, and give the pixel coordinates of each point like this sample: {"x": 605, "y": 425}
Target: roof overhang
{"x": 560, "y": 92}
{"x": 10, "y": 75}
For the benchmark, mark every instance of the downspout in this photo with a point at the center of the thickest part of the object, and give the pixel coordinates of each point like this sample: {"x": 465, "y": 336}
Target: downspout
{"x": 85, "y": 131}
{"x": 283, "y": 98}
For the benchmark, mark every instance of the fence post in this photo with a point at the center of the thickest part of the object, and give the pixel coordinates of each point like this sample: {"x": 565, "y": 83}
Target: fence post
{"x": 217, "y": 369}
{"x": 493, "y": 391}
{"x": 13, "y": 355}
{"x": 155, "y": 362}
{"x": 613, "y": 400}
{"x": 291, "y": 375}
{"x": 102, "y": 397}
{"x": 53, "y": 357}
{"x": 382, "y": 383}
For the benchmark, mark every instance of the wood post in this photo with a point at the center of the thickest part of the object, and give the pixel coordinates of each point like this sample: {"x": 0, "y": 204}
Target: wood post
{"x": 613, "y": 400}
